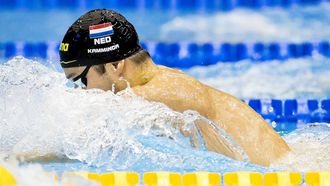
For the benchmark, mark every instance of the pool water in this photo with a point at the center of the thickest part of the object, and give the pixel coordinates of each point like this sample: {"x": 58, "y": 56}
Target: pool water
{"x": 296, "y": 24}
{"x": 103, "y": 132}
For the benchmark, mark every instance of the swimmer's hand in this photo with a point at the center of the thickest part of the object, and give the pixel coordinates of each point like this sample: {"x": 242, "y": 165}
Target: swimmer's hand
{"x": 213, "y": 140}
{"x": 216, "y": 142}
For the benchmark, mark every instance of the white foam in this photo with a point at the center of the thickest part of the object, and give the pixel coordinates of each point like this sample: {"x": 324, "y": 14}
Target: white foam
{"x": 34, "y": 174}
{"x": 310, "y": 150}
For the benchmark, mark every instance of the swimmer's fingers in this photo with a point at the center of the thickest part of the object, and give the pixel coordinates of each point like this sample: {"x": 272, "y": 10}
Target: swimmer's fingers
{"x": 191, "y": 132}
{"x": 216, "y": 142}
{"x": 179, "y": 124}
{"x": 194, "y": 140}
{"x": 193, "y": 137}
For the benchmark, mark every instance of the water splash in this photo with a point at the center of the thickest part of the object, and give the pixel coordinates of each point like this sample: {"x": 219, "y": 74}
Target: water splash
{"x": 34, "y": 174}
{"x": 310, "y": 149}
{"x": 41, "y": 116}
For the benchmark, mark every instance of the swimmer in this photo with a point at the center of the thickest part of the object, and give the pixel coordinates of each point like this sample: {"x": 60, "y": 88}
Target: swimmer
{"x": 102, "y": 50}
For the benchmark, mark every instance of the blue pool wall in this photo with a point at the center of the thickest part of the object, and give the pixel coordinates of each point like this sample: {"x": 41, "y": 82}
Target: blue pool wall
{"x": 172, "y": 5}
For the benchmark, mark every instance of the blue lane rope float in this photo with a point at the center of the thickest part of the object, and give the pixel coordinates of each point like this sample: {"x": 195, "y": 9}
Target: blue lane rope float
{"x": 186, "y": 55}
{"x": 292, "y": 110}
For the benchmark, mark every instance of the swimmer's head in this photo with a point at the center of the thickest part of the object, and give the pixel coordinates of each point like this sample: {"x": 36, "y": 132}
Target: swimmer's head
{"x": 98, "y": 37}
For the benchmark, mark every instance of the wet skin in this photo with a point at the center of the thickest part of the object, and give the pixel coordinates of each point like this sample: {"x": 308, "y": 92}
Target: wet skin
{"x": 182, "y": 92}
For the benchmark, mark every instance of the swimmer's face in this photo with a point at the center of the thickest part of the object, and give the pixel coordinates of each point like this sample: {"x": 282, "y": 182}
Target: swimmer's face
{"x": 77, "y": 75}
{"x": 91, "y": 78}
{"x": 73, "y": 72}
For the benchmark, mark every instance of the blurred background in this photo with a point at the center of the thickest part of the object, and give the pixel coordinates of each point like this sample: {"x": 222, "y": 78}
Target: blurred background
{"x": 253, "y": 49}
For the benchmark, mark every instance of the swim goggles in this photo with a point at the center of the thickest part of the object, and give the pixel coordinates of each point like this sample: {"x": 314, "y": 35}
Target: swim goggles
{"x": 82, "y": 76}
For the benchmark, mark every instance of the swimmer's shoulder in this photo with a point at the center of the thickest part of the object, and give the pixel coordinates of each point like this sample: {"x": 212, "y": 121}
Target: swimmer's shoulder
{"x": 165, "y": 69}
{"x": 175, "y": 73}
{"x": 168, "y": 78}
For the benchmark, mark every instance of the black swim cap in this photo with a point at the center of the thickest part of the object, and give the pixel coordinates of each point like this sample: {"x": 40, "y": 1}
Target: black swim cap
{"x": 100, "y": 36}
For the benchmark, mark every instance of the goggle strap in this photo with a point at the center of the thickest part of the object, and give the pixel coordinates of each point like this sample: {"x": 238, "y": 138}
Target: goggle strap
{"x": 84, "y": 73}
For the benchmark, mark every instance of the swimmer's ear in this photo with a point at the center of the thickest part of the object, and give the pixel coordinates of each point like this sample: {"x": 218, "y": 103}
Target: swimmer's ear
{"x": 116, "y": 70}
{"x": 120, "y": 67}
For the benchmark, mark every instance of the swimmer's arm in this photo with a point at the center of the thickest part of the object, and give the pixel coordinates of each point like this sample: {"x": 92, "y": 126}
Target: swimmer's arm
{"x": 262, "y": 144}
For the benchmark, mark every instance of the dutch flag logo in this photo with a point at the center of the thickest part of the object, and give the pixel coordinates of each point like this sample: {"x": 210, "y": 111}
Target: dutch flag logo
{"x": 100, "y": 30}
